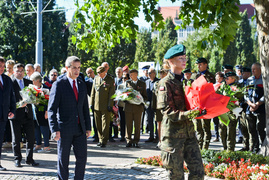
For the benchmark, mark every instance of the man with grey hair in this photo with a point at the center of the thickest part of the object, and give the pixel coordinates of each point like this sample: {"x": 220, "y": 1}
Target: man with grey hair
{"x": 69, "y": 119}
{"x": 256, "y": 108}
{"x": 118, "y": 78}
{"x": 53, "y": 74}
{"x": 63, "y": 70}
{"x": 90, "y": 74}
{"x": 29, "y": 70}
{"x": 37, "y": 68}
{"x": 150, "y": 112}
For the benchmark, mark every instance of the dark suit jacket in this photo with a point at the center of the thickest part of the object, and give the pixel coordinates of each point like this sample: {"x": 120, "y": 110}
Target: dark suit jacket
{"x": 89, "y": 83}
{"x": 7, "y": 98}
{"x": 25, "y": 111}
{"x": 117, "y": 82}
{"x": 64, "y": 110}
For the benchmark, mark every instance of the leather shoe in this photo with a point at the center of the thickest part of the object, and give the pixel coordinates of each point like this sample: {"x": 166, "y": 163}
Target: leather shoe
{"x": 102, "y": 145}
{"x": 150, "y": 140}
{"x": 33, "y": 163}
{"x": 240, "y": 140}
{"x": 128, "y": 145}
{"x": 18, "y": 163}
{"x": 136, "y": 145}
{"x": 244, "y": 149}
{"x": 99, "y": 144}
{"x": 2, "y": 168}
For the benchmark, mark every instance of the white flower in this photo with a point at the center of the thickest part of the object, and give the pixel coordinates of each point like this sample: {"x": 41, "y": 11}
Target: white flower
{"x": 236, "y": 111}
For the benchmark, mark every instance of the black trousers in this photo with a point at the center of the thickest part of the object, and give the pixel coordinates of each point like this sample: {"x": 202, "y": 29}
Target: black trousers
{"x": 2, "y": 132}
{"x": 79, "y": 142}
{"x": 122, "y": 122}
{"x": 27, "y": 125}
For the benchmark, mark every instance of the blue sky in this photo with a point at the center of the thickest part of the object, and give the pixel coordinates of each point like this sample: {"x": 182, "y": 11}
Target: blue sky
{"x": 69, "y": 5}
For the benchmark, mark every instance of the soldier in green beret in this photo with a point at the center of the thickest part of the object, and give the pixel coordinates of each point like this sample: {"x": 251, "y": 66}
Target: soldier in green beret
{"x": 203, "y": 125}
{"x": 178, "y": 140}
{"x": 102, "y": 90}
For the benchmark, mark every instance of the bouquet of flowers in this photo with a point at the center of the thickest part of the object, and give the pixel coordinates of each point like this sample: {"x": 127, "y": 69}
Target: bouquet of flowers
{"x": 130, "y": 95}
{"x": 33, "y": 95}
{"x": 235, "y": 93}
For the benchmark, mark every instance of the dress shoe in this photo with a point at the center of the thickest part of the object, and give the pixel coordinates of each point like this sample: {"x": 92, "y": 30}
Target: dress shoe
{"x": 103, "y": 145}
{"x": 216, "y": 140}
{"x": 150, "y": 140}
{"x": 99, "y": 144}
{"x": 244, "y": 149}
{"x": 111, "y": 140}
{"x": 18, "y": 163}
{"x": 95, "y": 140}
{"x": 128, "y": 145}
{"x": 256, "y": 150}
{"x": 115, "y": 136}
{"x": 122, "y": 139}
{"x": 240, "y": 140}
{"x": 2, "y": 168}
{"x": 136, "y": 145}
{"x": 32, "y": 163}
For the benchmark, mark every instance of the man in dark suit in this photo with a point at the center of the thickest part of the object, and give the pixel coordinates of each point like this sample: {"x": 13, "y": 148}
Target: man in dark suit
{"x": 69, "y": 118}
{"x": 7, "y": 102}
{"x": 23, "y": 120}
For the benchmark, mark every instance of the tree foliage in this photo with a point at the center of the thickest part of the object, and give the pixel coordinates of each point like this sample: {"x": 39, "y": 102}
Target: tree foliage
{"x": 18, "y": 33}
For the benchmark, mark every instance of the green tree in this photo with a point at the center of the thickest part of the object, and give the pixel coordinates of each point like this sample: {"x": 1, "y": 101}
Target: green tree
{"x": 18, "y": 35}
{"x": 244, "y": 42}
{"x": 169, "y": 26}
{"x": 230, "y": 54}
{"x": 143, "y": 47}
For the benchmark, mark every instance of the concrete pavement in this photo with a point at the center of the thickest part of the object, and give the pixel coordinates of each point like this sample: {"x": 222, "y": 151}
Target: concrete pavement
{"x": 113, "y": 162}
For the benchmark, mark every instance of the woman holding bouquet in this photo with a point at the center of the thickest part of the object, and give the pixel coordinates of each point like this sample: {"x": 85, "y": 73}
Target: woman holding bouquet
{"x": 178, "y": 140}
{"x": 40, "y": 117}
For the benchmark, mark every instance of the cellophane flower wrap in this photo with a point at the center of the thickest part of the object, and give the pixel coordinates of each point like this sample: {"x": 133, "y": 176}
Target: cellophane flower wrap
{"x": 201, "y": 95}
{"x": 33, "y": 95}
{"x": 130, "y": 95}
{"x": 236, "y": 94}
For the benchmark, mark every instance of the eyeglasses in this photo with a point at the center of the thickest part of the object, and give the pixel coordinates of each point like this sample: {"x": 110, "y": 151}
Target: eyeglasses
{"x": 53, "y": 75}
{"x": 125, "y": 78}
{"x": 19, "y": 71}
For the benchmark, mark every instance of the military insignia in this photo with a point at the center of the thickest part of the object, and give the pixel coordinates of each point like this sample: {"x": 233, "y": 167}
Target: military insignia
{"x": 161, "y": 88}
{"x": 105, "y": 89}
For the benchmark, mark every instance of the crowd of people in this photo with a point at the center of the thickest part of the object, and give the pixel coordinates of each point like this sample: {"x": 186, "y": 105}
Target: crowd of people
{"x": 121, "y": 119}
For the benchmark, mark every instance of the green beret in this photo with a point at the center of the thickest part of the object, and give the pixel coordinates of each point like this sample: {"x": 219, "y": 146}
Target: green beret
{"x": 188, "y": 70}
{"x": 100, "y": 69}
{"x": 227, "y": 66}
{"x": 201, "y": 60}
{"x": 177, "y": 50}
{"x": 133, "y": 71}
{"x": 228, "y": 74}
{"x": 245, "y": 69}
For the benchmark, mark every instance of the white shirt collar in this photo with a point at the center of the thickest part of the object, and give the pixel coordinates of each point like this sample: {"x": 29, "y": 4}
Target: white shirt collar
{"x": 71, "y": 81}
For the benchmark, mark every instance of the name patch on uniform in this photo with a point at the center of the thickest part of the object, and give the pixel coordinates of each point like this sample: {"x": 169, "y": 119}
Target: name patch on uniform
{"x": 161, "y": 88}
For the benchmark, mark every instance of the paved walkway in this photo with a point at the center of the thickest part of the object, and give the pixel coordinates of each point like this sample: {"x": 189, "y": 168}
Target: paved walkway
{"x": 113, "y": 162}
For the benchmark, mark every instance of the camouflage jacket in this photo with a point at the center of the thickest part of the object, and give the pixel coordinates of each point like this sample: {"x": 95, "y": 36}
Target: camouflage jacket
{"x": 208, "y": 76}
{"x": 171, "y": 102}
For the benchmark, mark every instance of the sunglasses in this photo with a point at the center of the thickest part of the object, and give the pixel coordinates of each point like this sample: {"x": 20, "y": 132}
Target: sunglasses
{"x": 125, "y": 78}
{"x": 53, "y": 75}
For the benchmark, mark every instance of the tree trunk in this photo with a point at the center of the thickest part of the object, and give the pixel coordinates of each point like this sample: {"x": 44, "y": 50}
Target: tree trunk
{"x": 262, "y": 18}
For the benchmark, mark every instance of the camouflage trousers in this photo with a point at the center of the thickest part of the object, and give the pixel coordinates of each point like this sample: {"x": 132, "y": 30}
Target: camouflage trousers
{"x": 175, "y": 151}
{"x": 203, "y": 132}
{"x": 247, "y": 138}
{"x": 228, "y": 135}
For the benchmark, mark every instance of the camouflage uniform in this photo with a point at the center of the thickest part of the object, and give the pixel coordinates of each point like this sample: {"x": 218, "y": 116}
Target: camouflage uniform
{"x": 203, "y": 125}
{"x": 178, "y": 141}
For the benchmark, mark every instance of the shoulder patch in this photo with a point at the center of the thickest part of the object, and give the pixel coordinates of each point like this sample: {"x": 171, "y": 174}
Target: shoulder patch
{"x": 161, "y": 88}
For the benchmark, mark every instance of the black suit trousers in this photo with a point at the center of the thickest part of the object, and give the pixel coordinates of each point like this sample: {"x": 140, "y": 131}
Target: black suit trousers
{"x": 79, "y": 142}
{"x": 2, "y": 132}
{"x": 27, "y": 124}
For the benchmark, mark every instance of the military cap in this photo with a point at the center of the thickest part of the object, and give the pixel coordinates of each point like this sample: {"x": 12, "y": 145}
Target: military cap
{"x": 188, "y": 70}
{"x": 133, "y": 71}
{"x": 201, "y": 60}
{"x": 245, "y": 69}
{"x": 146, "y": 67}
{"x": 100, "y": 69}
{"x": 227, "y": 66}
{"x": 177, "y": 50}
{"x": 228, "y": 74}
{"x": 238, "y": 67}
